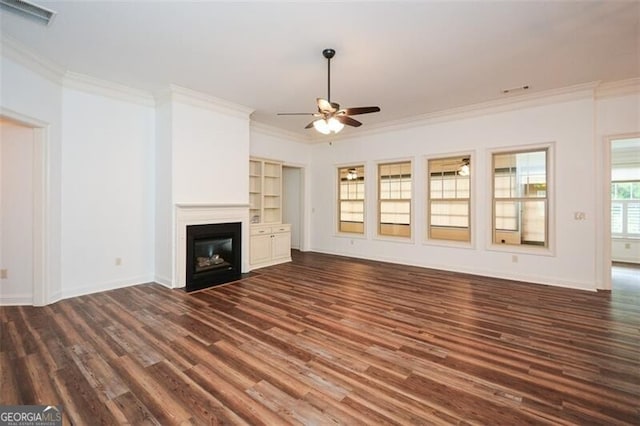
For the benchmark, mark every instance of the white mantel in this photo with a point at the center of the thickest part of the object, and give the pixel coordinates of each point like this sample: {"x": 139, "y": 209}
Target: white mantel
{"x": 201, "y": 214}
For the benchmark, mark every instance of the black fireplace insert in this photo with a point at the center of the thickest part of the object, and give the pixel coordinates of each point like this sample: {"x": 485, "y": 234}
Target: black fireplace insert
{"x": 214, "y": 254}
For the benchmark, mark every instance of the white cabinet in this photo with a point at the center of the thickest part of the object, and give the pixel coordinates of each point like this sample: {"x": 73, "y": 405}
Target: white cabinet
{"x": 269, "y": 245}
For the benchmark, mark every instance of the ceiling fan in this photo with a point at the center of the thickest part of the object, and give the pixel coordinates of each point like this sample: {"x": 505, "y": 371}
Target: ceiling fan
{"x": 330, "y": 118}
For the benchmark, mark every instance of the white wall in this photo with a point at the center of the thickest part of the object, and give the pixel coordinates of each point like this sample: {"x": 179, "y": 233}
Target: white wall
{"x": 566, "y": 122}
{"x": 108, "y": 197}
{"x": 16, "y": 213}
{"x": 625, "y": 250}
{"x": 210, "y": 152}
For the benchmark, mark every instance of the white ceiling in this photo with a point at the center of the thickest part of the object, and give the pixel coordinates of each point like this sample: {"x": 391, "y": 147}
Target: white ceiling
{"x": 409, "y": 58}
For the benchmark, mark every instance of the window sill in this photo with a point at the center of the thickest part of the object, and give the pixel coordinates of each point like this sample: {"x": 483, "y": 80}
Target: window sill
{"x": 535, "y": 251}
{"x": 625, "y": 238}
{"x": 451, "y": 244}
{"x": 350, "y": 235}
{"x": 403, "y": 240}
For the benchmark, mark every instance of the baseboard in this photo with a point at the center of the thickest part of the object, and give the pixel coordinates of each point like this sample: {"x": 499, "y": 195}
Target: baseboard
{"x": 531, "y": 279}
{"x": 82, "y": 291}
{"x": 16, "y": 300}
{"x": 164, "y": 281}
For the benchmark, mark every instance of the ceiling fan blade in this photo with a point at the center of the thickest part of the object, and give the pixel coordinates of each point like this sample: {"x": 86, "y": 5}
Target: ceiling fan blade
{"x": 347, "y": 120}
{"x": 296, "y": 113}
{"x": 310, "y": 125}
{"x": 361, "y": 110}
{"x": 325, "y": 106}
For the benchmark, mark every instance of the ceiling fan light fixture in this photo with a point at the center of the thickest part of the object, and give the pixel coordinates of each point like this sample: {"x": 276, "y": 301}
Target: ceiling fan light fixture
{"x": 334, "y": 125}
{"x": 328, "y": 126}
{"x": 322, "y": 126}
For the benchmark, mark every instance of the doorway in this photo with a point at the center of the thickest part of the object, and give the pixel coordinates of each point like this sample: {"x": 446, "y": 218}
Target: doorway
{"x": 624, "y": 212}
{"x": 292, "y": 202}
{"x": 23, "y": 225}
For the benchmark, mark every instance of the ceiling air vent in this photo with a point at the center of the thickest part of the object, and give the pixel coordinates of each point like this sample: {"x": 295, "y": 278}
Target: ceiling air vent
{"x": 28, "y": 10}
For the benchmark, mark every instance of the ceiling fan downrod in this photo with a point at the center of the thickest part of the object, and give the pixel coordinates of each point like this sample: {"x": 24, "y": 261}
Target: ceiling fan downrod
{"x": 328, "y": 53}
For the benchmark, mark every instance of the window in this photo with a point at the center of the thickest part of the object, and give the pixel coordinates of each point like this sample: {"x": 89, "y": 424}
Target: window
{"x": 625, "y": 209}
{"x": 351, "y": 199}
{"x": 394, "y": 199}
{"x": 449, "y": 199}
{"x": 520, "y": 198}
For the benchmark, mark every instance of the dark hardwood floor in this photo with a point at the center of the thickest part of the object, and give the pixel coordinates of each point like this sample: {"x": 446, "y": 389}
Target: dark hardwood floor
{"x": 331, "y": 340}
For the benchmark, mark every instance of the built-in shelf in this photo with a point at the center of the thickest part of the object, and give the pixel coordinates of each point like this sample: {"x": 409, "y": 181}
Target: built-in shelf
{"x": 270, "y": 241}
{"x": 265, "y": 190}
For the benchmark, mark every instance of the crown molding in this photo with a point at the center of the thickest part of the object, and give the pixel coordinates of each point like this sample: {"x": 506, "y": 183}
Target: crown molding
{"x": 86, "y": 83}
{"x": 269, "y": 130}
{"x": 14, "y": 50}
{"x": 180, "y": 94}
{"x": 630, "y": 86}
{"x": 510, "y": 103}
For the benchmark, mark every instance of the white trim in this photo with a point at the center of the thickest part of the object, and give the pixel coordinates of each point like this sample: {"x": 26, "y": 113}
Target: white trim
{"x": 40, "y": 169}
{"x": 12, "y": 49}
{"x": 607, "y": 256}
{"x": 270, "y": 130}
{"x": 16, "y": 300}
{"x": 86, "y": 83}
{"x": 611, "y": 89}
{"x": 412, "y": 225}
{"x": 183, "y": 95}
{"x": 508, "y": 103}
{"x": 336, "y": 200}
{"x": 199, "y": 214}
{"x": 550, "y": 249}
{"x": 471, "y": 244}
{"x": 100, "y": 287}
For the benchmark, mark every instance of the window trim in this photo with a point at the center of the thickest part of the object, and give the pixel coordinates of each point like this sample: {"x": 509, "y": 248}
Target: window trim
{"x": 412, "y": 227}
{"x": 337, "y": 199}
{"x": 550, "y": 249}
{"x": 471, "y": 244}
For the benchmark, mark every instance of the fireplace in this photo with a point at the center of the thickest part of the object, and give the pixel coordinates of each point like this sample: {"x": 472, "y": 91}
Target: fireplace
{"x": 214, "y": 254}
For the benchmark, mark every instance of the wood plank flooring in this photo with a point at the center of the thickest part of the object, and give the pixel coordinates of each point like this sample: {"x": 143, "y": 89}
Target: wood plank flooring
{"x": 331, "y": 340}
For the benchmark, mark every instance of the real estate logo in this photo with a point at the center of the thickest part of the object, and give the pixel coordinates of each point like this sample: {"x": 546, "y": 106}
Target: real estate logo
{"x": 30, "y": 415}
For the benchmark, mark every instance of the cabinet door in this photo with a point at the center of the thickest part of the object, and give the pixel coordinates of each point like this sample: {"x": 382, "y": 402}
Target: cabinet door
{"x": 281, "y": 245}
{"x": 260, "y": 249}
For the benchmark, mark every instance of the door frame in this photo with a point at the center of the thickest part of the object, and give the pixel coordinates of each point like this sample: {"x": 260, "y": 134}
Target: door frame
{"x": 303, "y": 208}
{"x": 41, "y": 283}
{"x": 606, "y": 206}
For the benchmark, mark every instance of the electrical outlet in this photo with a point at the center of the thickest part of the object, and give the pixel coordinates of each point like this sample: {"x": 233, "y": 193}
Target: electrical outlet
{"x": 4, "y": 274}
{"x": 514, "y": 258}
{"x": 627, "y": 245}
{"x": 118, "y": 261}
{"x": 579, "y": 216}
